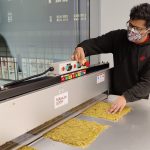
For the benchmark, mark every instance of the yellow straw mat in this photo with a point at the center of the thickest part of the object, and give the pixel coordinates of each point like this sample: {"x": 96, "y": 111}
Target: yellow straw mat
{"x": 76, "y": 132}
{"x": 100, "y": 110}
{"x": 26, "y": 148}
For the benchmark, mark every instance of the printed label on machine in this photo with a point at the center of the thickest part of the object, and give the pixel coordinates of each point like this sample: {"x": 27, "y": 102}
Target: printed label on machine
{"x": 61, "y": 100}
{"x": 100, "y": 78}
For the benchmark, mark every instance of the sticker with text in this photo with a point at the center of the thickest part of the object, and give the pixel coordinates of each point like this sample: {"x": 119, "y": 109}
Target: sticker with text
{"x": 61, "y": 100}
{"x": 100, "y": 78}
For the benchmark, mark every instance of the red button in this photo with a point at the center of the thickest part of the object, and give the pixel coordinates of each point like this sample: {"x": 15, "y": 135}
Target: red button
{"x": 62, "y": 79}
{"x": 73, "y": 75}
{"x": 63, "y": 68}
{"x": 87, "y": 64}
{"x": 75, "y": 65}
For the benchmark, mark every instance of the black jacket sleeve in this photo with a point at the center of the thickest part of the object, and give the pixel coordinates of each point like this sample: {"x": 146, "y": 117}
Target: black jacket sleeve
{"x": 142, "y": 88}
{"x": 101, "y": 44}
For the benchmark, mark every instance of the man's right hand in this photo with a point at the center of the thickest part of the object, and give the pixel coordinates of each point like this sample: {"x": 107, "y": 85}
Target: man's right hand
{"x": 79, "y": 55}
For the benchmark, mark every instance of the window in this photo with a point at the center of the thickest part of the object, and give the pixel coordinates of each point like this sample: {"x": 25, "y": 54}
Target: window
{"x": 35, "y": 33}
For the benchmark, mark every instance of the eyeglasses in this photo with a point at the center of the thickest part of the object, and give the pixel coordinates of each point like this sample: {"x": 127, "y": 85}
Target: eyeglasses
{"x": 130, "y": 26}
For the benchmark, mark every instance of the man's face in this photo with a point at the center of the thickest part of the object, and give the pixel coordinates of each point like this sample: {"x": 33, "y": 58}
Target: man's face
{"x": 140, "y": 26}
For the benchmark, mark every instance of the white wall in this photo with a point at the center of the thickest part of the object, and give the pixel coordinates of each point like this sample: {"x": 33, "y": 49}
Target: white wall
{"x": 115, "y": 13}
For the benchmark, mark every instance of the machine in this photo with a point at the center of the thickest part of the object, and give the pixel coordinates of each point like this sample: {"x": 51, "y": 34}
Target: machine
{"x": 30, "y": 108}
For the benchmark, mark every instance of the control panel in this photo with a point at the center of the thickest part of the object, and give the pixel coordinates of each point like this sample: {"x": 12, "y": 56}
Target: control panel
{"x": 66, "y": 67}
{"x": 72, "y": 75}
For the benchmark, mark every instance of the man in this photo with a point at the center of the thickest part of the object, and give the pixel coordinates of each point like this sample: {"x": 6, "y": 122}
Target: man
{"x": 131, "y": 51}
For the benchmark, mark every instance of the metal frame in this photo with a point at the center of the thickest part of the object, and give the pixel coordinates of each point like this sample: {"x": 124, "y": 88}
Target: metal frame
{"x": 24, "y": 113}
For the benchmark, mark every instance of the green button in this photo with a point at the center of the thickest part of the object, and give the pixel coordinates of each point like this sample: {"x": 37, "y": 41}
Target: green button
{"x": 67, "y": 67}
{"x": 78, "y": 65}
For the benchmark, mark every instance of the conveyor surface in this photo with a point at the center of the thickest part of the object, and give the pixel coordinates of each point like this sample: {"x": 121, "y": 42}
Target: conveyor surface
{"x": 130, "y": 133}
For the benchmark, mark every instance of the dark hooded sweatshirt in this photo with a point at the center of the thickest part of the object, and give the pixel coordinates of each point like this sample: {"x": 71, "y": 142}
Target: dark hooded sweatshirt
{"x": 131, "y": 73}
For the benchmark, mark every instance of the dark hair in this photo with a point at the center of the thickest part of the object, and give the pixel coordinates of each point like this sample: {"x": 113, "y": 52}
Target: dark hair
{"x": 141, "y": 11}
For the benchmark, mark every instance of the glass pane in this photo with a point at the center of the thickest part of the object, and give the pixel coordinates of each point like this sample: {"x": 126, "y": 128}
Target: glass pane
{"x": 35, "y": 33}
